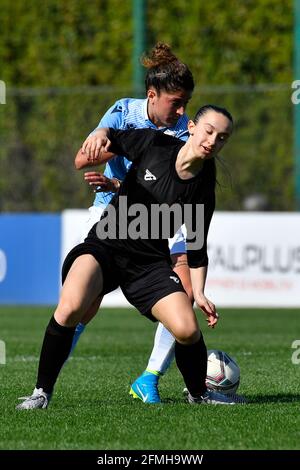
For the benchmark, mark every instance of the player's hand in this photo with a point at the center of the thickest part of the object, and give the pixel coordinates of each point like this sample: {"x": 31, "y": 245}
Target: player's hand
{"x": 208, "y": 308}
{"x": 95, "y": 144}
{"x": 100, "y": 182}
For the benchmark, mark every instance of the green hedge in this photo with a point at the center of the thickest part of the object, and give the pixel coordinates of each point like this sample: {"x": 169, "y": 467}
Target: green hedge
{"x": 64, "y": 63}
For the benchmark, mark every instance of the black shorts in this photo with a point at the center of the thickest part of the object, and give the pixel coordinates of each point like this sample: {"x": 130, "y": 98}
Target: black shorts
{"x": 104, "y": 258}
{"x": 142, "y": 287}
{"x": 158, "y": 281}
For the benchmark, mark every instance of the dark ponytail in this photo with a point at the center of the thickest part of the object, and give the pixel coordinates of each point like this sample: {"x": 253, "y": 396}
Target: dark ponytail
{"x": 165, "y": 71}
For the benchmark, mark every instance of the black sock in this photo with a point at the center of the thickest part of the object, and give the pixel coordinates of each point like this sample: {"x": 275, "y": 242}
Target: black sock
{"x": 191, "y": 360}
{"x": 55, "y": 350}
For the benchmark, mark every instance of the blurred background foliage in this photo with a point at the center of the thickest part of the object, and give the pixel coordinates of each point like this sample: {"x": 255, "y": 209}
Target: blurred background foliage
{"x": 65, "y": 63}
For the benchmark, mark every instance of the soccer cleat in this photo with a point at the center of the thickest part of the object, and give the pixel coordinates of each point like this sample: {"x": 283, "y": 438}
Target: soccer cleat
{"x": 210, "y": 397}
{"x": 234, "y": 396}
{"x": 239, "y": 399}
{"x": 146, "y": 388}
{"x": 39, "y": 399}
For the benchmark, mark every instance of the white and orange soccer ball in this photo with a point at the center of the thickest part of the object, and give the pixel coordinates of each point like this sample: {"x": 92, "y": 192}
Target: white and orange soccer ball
{"x": 223, "y": 373}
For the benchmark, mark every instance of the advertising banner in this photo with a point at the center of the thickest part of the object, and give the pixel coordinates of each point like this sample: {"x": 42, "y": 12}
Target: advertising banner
{"x": 29, "y": 258}
{"x": 254, "y": 259}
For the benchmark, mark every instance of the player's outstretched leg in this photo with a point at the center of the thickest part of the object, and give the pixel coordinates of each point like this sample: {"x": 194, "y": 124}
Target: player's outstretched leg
{"x": 95, "y": 213}
{"x": 81, "y": 288}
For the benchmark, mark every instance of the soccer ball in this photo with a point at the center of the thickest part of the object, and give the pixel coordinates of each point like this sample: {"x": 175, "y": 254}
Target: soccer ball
{"x": 223, "y": 373}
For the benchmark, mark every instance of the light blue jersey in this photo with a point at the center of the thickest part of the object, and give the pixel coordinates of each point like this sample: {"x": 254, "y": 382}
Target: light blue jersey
{"x": 131, "y": 113}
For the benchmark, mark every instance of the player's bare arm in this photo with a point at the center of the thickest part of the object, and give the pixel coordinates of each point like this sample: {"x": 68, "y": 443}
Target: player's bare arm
{"x": 198, "y": 278}
{"x": 96, "y": 143}
{"x": 94, "y": 150}
{"x": 100, "y": 182}
{"x": 81, "y": 160}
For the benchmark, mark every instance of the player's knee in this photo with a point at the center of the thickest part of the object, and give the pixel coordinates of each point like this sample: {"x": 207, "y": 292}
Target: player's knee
{"x": 68, "y": 313}
{"x": 187, "y": 335}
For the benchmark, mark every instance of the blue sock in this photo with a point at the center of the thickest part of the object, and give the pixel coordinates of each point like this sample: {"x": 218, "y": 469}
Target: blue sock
{"x": 79, "y": 329}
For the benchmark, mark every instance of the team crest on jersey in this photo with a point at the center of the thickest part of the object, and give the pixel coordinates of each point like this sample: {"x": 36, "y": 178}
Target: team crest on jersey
{"x": 117, "y": 109}
{"x": 149, "y": 176}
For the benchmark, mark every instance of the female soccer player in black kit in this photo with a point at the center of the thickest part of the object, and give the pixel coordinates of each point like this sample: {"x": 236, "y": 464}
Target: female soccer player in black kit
{"x": 165, "y": 170}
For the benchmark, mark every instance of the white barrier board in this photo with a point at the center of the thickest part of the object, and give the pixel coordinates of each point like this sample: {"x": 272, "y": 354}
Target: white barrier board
{"x": 254, "y": 259}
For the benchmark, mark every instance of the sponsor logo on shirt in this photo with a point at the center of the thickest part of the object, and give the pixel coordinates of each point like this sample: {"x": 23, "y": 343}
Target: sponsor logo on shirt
{"x": 149, "y": 176}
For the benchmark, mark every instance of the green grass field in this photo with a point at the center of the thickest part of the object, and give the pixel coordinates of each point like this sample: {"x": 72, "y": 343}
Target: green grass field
{"x": 91, "y": 407}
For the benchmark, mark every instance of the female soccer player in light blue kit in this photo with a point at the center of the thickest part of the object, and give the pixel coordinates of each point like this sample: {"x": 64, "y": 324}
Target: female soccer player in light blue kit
{"x": 169, "y": 85}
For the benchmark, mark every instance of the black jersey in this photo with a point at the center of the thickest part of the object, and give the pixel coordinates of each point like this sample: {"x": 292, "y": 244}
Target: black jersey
{"x": 151, "y": 181}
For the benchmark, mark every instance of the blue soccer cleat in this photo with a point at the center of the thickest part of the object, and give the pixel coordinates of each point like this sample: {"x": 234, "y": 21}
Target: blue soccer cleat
{"x": 146, "y": 387}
